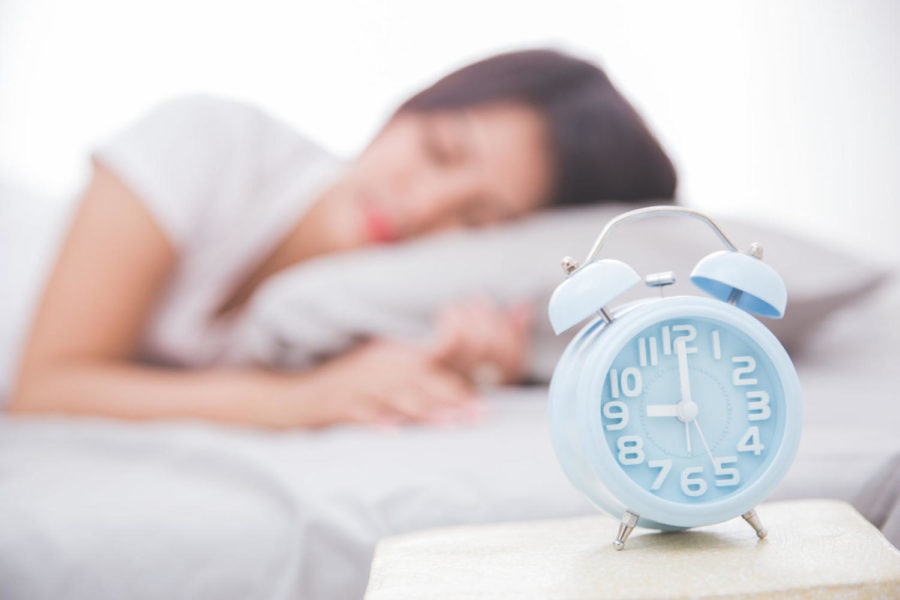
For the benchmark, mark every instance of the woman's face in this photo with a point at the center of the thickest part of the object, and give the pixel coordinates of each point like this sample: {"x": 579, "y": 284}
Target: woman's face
{"x": 456, "y": 168}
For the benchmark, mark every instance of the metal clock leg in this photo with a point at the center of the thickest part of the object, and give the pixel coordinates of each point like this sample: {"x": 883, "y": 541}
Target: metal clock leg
{"x": 751, "y": 517}
{"x": 629, "y": 520}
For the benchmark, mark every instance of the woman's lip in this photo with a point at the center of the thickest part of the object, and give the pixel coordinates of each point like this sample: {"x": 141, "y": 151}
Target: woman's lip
{"x": 379, "y": 228}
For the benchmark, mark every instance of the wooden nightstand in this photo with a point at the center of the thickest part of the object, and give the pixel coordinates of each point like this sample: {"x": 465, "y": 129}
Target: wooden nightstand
{"x": 815, "y": 549}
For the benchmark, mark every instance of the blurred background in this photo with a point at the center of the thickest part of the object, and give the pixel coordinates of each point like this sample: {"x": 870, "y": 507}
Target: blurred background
{"x": 782, "y": 111}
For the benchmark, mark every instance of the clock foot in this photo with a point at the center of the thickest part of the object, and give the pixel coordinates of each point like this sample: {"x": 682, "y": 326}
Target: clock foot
{"x": 751, "y": 517}
{"x": 626, "y": 526}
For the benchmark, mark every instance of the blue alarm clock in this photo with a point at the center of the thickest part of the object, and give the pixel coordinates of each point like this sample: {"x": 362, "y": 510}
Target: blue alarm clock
{"x": 674, "y": 412}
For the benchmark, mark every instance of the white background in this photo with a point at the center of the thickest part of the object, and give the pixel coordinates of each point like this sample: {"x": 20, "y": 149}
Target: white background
{"x": 784, "y": 111}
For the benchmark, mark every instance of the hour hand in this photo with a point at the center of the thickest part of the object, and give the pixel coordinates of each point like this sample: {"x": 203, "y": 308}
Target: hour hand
{"x": 671, "y": 410}
{"x": 662, "y": 410}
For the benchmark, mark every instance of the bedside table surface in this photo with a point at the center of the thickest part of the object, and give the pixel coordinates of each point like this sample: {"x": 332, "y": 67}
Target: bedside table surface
{"x": 815, "y": 549}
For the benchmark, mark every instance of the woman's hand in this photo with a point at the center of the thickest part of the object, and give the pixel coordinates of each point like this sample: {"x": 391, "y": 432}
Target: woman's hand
{"x": 489, "y": 345}
{"x": 388, "y": 382}
{"x": 382, "y": 382}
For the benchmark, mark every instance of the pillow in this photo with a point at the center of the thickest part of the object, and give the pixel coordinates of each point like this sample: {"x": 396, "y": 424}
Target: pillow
{"x": 324, "y": 306}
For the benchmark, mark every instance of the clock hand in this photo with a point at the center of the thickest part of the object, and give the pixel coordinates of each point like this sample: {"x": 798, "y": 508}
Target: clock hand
{"x": 670, "y": 410}
{"x": 662, "y": 410}
{"x": 681, "y": 351}
{"x": 705, "y": 445}
{"x": 686, "y": 408}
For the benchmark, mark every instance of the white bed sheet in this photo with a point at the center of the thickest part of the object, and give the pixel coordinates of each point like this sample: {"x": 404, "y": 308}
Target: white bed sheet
{"x": 100, "y": 509}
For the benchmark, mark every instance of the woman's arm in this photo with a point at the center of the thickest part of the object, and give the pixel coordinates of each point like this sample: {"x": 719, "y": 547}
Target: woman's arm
{"x": 113, "y": 265}
{"x": 110, "y": 271}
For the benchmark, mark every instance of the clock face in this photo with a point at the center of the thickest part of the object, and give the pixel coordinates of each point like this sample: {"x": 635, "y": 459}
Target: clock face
{"x": 692, "y": 410}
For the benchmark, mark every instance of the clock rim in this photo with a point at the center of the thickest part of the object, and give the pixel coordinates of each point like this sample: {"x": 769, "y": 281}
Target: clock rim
{"x": 571, "y": 460}
{"x": 614, "y": 483}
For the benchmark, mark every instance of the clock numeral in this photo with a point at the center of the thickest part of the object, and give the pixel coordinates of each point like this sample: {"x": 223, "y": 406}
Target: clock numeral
{"x": 631, "y": 449}
{"x": 629, "y": 383}
{"x": 692, "y": 482}
{"x": 616, "y": 410}
{"x": 737, "y": 376}
{"x": 654, "y": 356}
{"x": 731, "y": 473}
{"x": 672, "y": 336}
{"x": 643, "y": 345}
{"x": 664, "y": 465}
{"x": 632, "y": 385}
{"x": 750, "y": 441}
{"x": 690, "y": 333}
{"x": 717, "y": 348}
{"x": 758, "y": 408}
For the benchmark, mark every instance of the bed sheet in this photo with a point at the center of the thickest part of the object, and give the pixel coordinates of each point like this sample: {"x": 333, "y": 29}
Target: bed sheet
{"x": 101, "y": 509}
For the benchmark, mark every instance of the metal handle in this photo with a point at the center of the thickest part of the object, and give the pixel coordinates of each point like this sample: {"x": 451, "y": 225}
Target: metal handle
{"x": 652, "y": 211}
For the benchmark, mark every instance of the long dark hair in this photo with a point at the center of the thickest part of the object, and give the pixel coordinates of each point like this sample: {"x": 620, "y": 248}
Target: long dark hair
{"x": 601, "y": 147}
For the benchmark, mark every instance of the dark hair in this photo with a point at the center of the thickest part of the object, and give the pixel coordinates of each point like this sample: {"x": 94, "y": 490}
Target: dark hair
{"x": 601, "y": 148}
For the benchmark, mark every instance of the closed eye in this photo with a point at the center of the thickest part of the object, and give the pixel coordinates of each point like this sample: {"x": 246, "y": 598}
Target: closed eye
{"x": 438, "y": 143}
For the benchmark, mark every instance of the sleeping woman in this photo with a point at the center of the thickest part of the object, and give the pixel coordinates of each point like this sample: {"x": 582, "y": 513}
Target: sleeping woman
{"x": 196, "y": 206}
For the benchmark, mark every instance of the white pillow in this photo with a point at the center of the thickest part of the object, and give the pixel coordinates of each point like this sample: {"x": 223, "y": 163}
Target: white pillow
{"x": 323, "y": 307}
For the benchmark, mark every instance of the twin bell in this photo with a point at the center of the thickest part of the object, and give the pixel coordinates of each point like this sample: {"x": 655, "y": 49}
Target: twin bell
{"x": 738, "y": 278}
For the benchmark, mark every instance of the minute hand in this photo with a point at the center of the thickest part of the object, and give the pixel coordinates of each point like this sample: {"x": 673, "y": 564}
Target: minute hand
{"x": 686, "y": 409}
{"x": 681, "y": 350}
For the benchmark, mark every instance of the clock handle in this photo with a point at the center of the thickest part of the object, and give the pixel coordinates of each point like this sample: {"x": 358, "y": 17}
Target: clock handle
{"x": 654, "y": 211}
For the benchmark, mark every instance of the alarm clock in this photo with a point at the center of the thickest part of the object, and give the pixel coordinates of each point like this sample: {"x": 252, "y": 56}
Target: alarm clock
{"x": 674, "y": 412}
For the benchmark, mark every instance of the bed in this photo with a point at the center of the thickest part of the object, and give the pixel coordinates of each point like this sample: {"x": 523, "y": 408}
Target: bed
{"x": 95, "y": 509}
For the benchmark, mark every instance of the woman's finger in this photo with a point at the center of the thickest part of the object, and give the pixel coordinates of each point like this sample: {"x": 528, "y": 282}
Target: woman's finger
{"x": 476, "y": 328}
{"x": 368, "y": 411}
{"x": 444, "y": 388}
{"x": 477, "y": 337}
{"x": 521, "y": 317}
{"x": 410, "y": 403}
{"x": 449, "y": 336}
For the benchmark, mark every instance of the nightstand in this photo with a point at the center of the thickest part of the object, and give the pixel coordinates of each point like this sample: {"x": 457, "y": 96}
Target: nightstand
{"x": 815, "y": 549}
